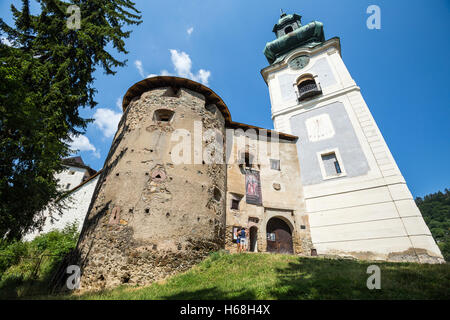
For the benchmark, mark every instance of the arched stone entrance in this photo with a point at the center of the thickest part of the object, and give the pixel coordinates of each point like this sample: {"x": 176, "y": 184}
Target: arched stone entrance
{"x": 279, "y": 236}
{"x": 253, "y": 239}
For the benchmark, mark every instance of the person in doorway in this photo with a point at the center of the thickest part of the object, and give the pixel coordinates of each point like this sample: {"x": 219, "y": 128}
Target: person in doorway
{"x": 238, "y": 240}
{"x": 243, "y": 239}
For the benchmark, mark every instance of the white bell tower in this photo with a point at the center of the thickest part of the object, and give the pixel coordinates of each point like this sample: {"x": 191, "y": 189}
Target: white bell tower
{"x": 356, "y": 198}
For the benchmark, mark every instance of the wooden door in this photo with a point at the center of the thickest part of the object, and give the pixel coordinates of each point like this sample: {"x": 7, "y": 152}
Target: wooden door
{"x": 279, "y": 236}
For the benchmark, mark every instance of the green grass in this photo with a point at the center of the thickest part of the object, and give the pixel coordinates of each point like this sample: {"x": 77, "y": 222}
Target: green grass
{"x": 273, "y": 276}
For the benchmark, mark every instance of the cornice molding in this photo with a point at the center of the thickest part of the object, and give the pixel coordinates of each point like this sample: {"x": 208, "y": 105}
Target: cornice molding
{"x": 316, "y": 101}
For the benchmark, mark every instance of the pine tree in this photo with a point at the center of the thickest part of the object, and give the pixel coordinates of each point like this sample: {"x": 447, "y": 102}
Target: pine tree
{"x": 46, "y": 76}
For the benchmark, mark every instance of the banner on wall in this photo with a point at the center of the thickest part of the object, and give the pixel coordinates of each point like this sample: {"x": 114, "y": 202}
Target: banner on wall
{"x": 253, "y": 188}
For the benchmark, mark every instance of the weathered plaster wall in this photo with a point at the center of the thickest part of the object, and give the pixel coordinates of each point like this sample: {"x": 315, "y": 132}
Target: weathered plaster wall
{"x": 149, "y": 216}
{"x": 77, "y": 207}
{"x": 281, "y": 190}
{"x": 71, "y": 176}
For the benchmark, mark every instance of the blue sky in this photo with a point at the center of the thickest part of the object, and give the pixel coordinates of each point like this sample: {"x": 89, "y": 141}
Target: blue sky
{"x": 402, "y": 69}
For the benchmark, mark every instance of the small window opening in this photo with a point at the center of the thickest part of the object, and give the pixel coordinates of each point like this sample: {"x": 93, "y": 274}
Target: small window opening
{"x": 248, "y": 160}
{"x": 331, "y": 164}
{"x": 275, "y": 164}
{"x": 71, "y": 172}
{"x": 163, "y": 115}
{"x": 172, "y": 92}
{"x": 68, "y": 186}
{"x": 235, "y": 204}
{"x": 126, "y": 278}
{"x": 217, "y": 194}
{"x": 288, "y": 29}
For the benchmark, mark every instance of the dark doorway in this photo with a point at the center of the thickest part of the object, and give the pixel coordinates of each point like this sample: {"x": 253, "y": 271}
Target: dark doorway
{"x": 253, "y": 239}
{"x": 279, "y": 236}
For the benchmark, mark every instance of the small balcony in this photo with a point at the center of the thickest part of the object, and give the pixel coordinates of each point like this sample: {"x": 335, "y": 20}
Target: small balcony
{"x": 308, "y": 89}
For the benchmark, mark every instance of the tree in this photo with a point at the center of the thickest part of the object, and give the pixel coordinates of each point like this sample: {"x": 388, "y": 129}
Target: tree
{"x": 435, "y": 209}
{"x": 46, "y": 76}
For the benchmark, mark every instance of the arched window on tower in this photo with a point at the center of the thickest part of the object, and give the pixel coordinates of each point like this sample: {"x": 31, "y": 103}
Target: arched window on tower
{"x": 288, "y": 29}
{"x": 307, "y": 87}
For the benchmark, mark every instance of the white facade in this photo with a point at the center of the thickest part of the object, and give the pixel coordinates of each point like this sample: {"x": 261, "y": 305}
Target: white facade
{"x": 367, "y": 210}
{"x": 71, "y": 177}
{"x": 77, "y": 202}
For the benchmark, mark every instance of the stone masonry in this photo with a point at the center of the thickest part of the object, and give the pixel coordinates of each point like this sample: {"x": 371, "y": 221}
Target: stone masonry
{"x": 149, "y": 217}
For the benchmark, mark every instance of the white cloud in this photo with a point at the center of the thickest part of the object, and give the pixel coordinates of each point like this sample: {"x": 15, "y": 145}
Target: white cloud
{"x": 119, "y": 103}
{"x": 182, "y": 64}
{"x": 190, "y": 30}
{"x": 166, "y": 73}
{"x": 138, "y": 64}
{"x": 82, "y": 143}
{"x": 203, "y": 76}
{"x": 107, "y": 120}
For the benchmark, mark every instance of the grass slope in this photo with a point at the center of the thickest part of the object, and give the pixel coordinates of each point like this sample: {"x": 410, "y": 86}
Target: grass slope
{"x": 273, "y": 276}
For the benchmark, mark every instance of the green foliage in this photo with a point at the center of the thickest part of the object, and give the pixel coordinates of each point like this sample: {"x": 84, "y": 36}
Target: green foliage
{"x": 10, "y": 254}
{"x": 435, "y": 209}
{"x": 46, "y": 76}
{"x": 26, "y": 267}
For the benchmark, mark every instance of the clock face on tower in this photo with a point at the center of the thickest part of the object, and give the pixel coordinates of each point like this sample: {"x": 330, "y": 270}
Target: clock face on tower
{"x": 299, "y": 62}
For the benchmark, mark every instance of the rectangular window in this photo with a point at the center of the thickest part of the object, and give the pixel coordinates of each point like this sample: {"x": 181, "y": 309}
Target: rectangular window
{"x": 68, "y": 186}
{"x": 271, "y": 236}
{"x": 248, "y": 160}
{"x": 235, "y": 204}
{"x": 331, "y": 164}
{"x": 275, "y": 164}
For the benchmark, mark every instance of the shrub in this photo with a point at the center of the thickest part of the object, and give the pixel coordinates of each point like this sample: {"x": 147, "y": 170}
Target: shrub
{"x": 26, "y": 267}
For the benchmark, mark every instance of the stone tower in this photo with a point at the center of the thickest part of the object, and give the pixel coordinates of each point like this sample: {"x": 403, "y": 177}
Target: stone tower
{"x": 151, "y": 216}
{"x": 356, "y": 198}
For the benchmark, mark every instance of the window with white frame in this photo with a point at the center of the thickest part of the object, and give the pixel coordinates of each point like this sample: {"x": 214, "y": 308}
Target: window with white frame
{"x": 331, "y": 164}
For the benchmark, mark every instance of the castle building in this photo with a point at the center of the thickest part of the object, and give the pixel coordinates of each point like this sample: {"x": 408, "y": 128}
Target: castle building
{"x": 78, "y": 180}
{"x": 181, "y": 176}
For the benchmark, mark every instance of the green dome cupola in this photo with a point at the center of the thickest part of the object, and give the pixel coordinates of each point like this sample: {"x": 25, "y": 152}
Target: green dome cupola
{"x": 292, "y": 35}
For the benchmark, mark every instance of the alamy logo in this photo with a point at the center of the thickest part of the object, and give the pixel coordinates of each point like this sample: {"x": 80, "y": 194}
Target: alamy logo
{"x": 374, "y": 20}
{"x": 74, "y": 21}
{"x": 73, "y": 281}
{"x": 374, "y": 281}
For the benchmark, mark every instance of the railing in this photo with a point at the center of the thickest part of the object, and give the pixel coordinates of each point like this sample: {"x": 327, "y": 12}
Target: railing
{"x": 308, "y": 90}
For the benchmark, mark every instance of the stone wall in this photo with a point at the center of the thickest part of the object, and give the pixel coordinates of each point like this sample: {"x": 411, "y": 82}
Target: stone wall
{"x": 151, "y": 217}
